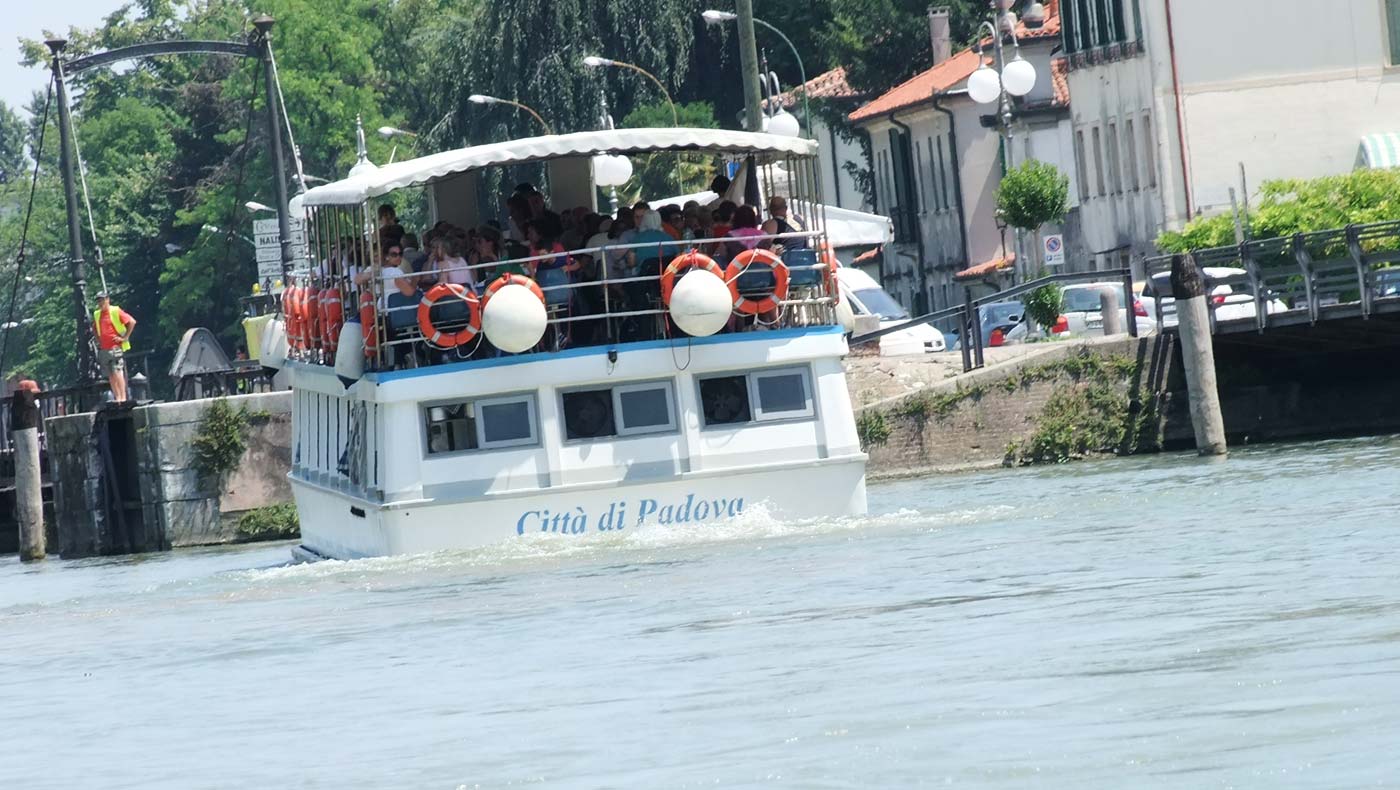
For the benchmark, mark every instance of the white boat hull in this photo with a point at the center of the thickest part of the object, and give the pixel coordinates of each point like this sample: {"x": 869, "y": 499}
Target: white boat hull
{"x": 338, "y": 526}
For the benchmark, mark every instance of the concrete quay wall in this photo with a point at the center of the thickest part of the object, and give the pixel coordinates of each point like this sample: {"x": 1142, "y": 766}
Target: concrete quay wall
{"x": 125, "y": 479}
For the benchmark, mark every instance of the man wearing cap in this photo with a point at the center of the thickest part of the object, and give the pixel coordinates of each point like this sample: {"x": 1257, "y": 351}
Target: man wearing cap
{"x": 113, "y": 326}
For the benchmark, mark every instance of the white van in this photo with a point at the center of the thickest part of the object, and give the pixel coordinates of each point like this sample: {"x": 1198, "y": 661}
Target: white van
{"x": 866, "y": 297}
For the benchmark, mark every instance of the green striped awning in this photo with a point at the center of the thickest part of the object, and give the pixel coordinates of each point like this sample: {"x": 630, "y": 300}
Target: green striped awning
{"x": 1380, "y": 150}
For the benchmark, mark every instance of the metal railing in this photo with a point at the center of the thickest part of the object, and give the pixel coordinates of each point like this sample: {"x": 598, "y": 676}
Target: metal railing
{"x": 630, "y": 304}
{"x": 1292, "y": 279}
{"x": 969, "y": 313}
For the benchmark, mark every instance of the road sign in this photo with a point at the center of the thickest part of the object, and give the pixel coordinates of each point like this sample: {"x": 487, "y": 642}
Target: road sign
{"x": 1055, "y": 250}
{"x": 269, "y": 244}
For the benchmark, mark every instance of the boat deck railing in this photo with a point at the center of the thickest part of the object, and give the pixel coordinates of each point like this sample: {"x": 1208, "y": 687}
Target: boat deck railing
{"x": 600, "y": 308}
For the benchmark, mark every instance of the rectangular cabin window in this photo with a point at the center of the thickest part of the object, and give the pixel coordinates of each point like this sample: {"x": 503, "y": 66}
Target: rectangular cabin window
{"x": 486, "y": 424}
{"x": 588, "y": 414}
{"x": 625, "y": 410}
{"x": 725, "y": 400}
{"x": 782, "y": 394}
{"x": 763, "y": 395}
{"x": 645, "y": 408}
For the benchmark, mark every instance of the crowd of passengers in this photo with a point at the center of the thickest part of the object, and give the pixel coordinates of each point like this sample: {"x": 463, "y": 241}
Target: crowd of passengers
{"x": 563, "y": 246}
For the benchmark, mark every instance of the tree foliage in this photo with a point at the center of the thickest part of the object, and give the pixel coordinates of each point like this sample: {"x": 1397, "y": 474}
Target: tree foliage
{"x": 663, "y": 175}
{"x": 1033, "y": 194}
{"x": 884, "y": 42}
{"x": 12, "y": 136}
{"x": 1289, "y": 206}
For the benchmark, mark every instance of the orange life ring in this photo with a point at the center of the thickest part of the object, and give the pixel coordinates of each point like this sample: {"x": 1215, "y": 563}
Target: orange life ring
{"x": 682, "y": 263}
{"x": 741, "y": 262}
{"x": 311, "y": 316}
{"x": 291, "y": 308}
{"x": 368, "y": 330}
{"x": 511, "y": 279}
{"x": 332, "y": 318}
{"x": 431, "y": 333}
{"x": 828, "y": 256}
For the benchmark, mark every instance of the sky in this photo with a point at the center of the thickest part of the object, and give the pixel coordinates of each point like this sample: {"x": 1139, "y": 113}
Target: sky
{"x": 30, "y": 19}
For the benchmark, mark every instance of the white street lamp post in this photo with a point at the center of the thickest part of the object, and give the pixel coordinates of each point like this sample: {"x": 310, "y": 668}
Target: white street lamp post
{"x": 477, "y": 98}
{"x": 595, "y": 62}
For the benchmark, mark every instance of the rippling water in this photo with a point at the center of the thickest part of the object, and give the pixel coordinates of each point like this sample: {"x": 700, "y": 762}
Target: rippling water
{"x": 1161, "y": 621}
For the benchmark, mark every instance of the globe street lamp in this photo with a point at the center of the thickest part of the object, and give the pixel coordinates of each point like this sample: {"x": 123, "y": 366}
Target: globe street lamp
{"x": 1016, "y": 78}
{"x": 595, "y": 62}
{"x": 477, "y": 98}
{"x": 713, "y": 17}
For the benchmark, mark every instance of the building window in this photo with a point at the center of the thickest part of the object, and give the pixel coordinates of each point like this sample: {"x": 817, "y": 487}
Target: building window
{"x": 1098, "y": 162}
{"x": 486, "y": 424}
{"x": 943, "y": 168}
{"x": 933, "y": 176}
{"x": 919, "y": 178}
{"x": 1115, "y": 163}
{"x": 760, "y": 396}
{"x": 1081, "y": 161}
{"x": 1149, "y": 151}
{"x": 1087, "y": 24}
{"x": 1130, "y": 140}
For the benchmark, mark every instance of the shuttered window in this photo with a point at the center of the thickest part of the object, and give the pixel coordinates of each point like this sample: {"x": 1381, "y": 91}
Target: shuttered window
{"x": 1392, "y": 25}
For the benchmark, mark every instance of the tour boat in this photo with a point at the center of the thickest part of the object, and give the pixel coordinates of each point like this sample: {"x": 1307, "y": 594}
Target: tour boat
{"x": 705, "y": 386}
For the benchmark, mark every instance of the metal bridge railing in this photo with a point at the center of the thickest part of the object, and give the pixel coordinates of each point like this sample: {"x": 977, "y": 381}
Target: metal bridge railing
{"x": 969, "y": 313}
{"x": 1299, "y": 275}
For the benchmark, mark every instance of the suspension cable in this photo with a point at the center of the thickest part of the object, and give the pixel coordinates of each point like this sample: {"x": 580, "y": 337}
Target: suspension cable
{"x": 10, "y": 324}
{"x": 286, "y": 119}
{"x": 87, "y": 200}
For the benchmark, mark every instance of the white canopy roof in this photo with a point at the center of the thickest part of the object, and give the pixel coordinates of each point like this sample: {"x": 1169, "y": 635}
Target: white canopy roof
{"x": 410, "y": 172}
{"x": 844, "y": 227}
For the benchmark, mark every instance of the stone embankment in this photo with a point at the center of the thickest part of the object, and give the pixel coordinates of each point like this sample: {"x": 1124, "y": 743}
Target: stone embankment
{"x": 1042, "y": 402}
{"x": 155, "y": 477}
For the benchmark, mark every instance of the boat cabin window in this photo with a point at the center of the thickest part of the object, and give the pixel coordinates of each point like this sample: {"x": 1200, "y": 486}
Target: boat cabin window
{"x": 763, "y": 395}
{"x": 485, "y": 424}
{"x": 618, "y": 411}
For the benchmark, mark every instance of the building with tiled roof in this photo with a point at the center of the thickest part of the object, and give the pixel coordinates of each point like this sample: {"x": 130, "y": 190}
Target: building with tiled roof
{"x": 839, "y": 185}
{"x": 938, "y": 157}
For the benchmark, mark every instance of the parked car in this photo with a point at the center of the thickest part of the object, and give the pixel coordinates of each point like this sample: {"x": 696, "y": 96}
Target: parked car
{"x": 866, "y": 297}
{"x": 1231, "y": 295}
{"x": 1085, "y": 312}
{"x": 1387, "y": 282}
{"x": 1003, "y": 324}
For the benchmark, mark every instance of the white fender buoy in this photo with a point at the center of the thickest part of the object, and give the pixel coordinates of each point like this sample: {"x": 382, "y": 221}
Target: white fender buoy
{"x": 350, "y": 354}
{"x": 701, "y": 303}
{"x": 274, "y": 344}
{"x": 514, "y": 319}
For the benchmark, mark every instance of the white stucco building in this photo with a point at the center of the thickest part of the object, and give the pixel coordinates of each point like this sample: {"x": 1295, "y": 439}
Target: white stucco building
{"x": 839, "y": 186}
{"x": 938, "y": 159}
{"x": 1178, "y": 101}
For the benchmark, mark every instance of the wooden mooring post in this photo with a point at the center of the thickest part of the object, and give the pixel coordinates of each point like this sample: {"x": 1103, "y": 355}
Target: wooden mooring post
{"x": 29, "y": 487}
{"x": 1198, "y": 355}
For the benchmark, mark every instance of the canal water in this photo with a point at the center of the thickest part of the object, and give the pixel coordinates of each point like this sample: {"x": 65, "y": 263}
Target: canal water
{"x": 1149, "y": 622}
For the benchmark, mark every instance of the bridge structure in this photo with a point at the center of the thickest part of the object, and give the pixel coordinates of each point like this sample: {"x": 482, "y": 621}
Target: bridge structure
{"x": 1306, "y": 334}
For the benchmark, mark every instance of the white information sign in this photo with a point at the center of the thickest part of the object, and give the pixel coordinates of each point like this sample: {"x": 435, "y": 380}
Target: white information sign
{"x": 1055, "y": 250}
{"x": 269, "y": 246}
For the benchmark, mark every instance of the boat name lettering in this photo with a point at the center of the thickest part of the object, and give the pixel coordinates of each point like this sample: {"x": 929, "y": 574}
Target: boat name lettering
{"x": 577, "y": 521}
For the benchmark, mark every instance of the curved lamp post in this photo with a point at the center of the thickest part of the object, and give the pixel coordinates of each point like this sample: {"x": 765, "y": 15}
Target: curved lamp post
{"x": 595, "y": 62}
{"x": 477, "y": 98}
{"x": 713, "y": 17}
{"x": 1016, "y": 78}
{"x": 390, "y": 132}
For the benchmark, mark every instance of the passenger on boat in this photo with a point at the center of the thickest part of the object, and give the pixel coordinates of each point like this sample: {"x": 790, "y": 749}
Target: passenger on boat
{"x": 387, "y": 214}
{"x": 720, "y": 184}
{"x": 723, "y": 219}
{"x": 446, "y": 258}
{"x": 400, "y": 308}
{"x": 779, "y": 221}
{"x": 673, "y": 222}
{"x": 486, "y": 249}
{"x": 745, "y": 230}
{"x": 518, "y": 209}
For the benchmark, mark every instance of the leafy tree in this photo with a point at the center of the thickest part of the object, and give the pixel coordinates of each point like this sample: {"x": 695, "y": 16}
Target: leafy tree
{"x": 663, "y": 175}
{"x": 12, "y": 137}
{"x": 1033, "y": 194}
{"x": 1290, "y": 206}
{"x": 884, "y": 42}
